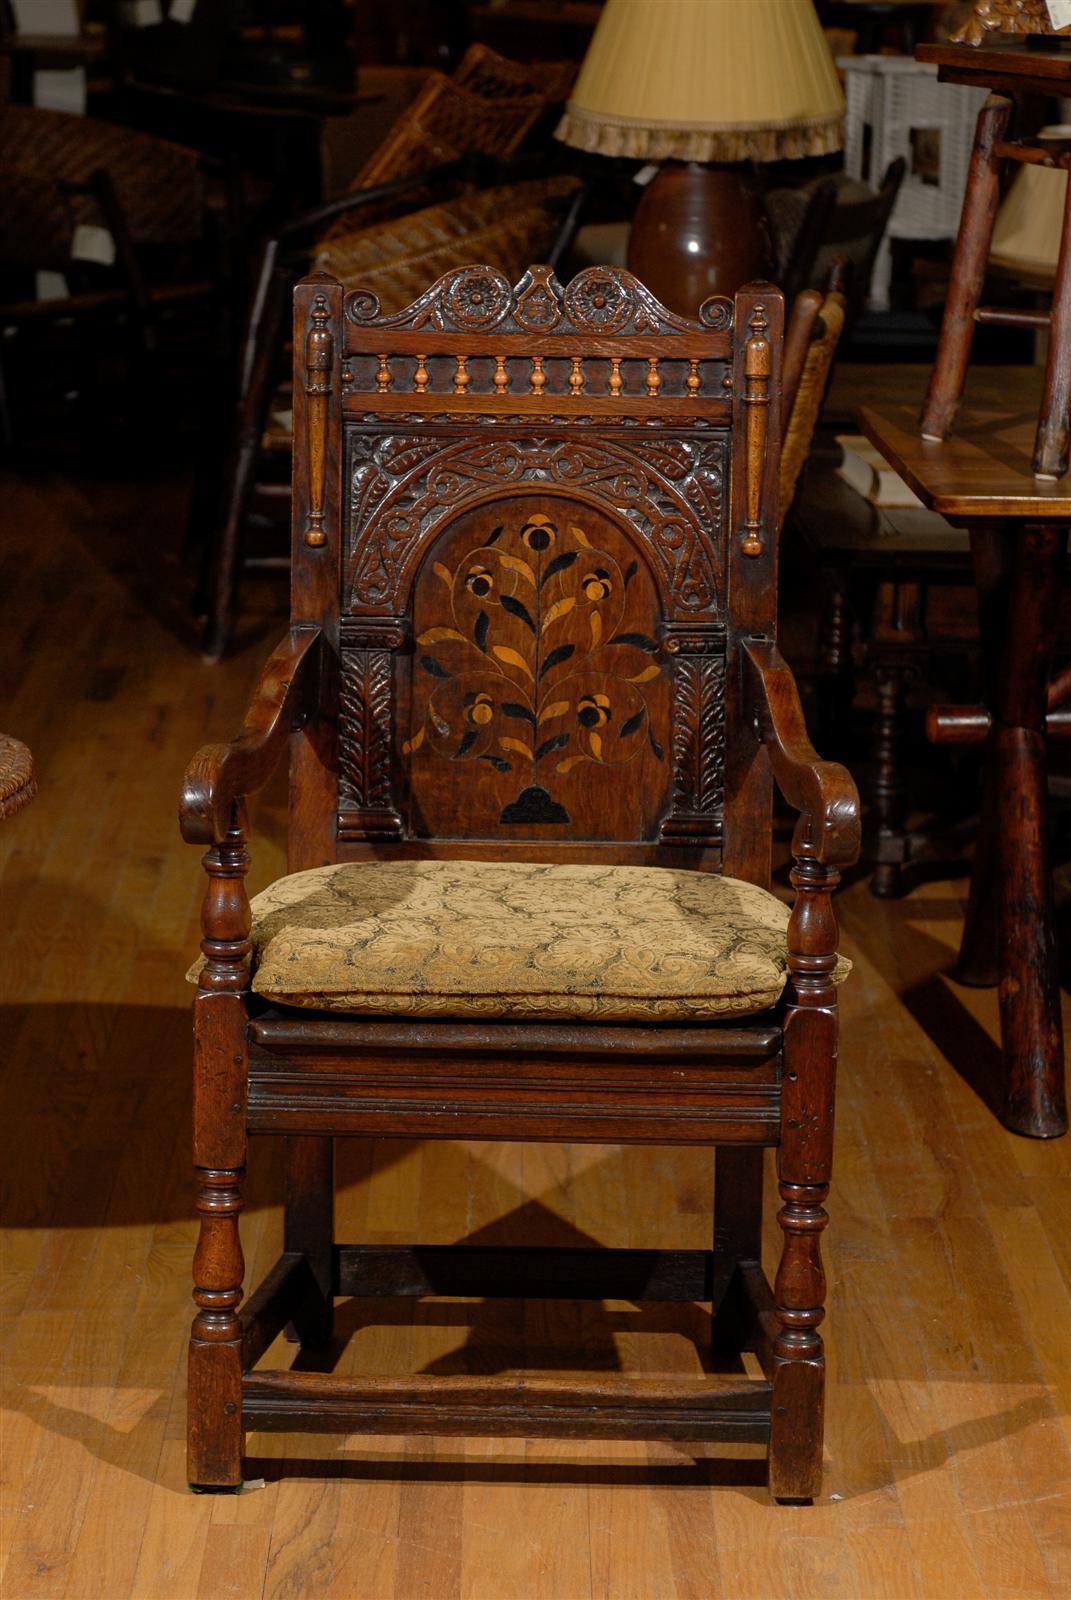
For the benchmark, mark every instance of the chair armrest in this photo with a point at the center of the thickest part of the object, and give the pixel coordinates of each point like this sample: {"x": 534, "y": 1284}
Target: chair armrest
{"x": 220, "y": 775}
{"x": 823, "y": 792}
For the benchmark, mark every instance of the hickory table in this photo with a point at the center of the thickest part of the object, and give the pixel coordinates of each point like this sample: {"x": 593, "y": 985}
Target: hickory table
{"x": 981, "y": 478}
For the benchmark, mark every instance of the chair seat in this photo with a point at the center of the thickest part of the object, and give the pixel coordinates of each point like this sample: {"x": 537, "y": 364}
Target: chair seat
{"x": 520, "y": 940}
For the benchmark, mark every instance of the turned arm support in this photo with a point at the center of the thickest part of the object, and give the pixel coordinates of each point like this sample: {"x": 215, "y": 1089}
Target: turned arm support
{"x": 823, "y": 792}
{"x": 221, "y": 775}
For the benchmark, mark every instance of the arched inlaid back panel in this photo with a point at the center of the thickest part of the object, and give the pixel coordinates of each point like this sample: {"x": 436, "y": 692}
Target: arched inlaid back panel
{"x": 539, "y": 694}
{"x": 538, "y": 542}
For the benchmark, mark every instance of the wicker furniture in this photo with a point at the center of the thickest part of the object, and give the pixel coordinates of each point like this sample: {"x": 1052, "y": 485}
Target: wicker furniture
{"x": 504, "y": 226}
{"x": 18, "y": 781}
{"x": 897, "y": 110}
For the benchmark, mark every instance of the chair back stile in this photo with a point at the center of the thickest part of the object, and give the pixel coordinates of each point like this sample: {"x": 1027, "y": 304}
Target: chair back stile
{"x": 534, "y": 526}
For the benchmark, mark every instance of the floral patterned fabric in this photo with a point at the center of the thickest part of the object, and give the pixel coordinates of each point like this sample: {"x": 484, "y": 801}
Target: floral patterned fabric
{"x": 520, "y": 940}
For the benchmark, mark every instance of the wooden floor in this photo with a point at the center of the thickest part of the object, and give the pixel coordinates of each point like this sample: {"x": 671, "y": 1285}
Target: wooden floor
{"x": 948, "y": 1334}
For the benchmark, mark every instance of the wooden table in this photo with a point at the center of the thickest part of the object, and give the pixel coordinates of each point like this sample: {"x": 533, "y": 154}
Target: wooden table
{"x": 904, "y": 575}
{"x": 982, "y": 479}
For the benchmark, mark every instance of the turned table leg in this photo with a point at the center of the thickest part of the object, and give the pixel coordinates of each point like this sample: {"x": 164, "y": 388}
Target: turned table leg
{"x": 1029, "y": 980}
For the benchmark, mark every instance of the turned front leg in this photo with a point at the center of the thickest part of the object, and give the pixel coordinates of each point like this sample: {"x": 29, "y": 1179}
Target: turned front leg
{"x": 214, "y": 1406}
{"x": 804, "y": 1161}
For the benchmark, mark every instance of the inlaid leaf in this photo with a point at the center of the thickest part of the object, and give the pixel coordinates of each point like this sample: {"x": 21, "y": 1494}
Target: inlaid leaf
{"x": 444, "y": 573}
{"x": 558, "y": 742}
{"x": 632, "y": 723}
{"x": 630, "y": 572}
{"x": 560, "y": 608}
{"x": 515, "y": 564}
{"x": 436, "y": 635}
{"x": 479, "y": 632}
{"x": 466, "y": 744}
{"x": 559, "y": 564}
{"x": 648, "y": 672}
{"x": 596, "y": 628}
{"x": 655, "y": 746}
{"x": 642, "y": 641}
{"x": 569, "y": 763}
{"x": 515, "y": 744}
{"x": 435, "y": 668}
{"x": 498, "y": 763}
{"x": 511, "y": 657}
{"x": 414, "y": 743}
{"x": 555, "y": 657}
{"x": 580, "y": 536}
{"x": 595, "y": 741}
{"x": 517, "y": 608}
{"x": 557, "y": 708}
{"x": 513, "y": 708}
{"x": 495, "y": 533}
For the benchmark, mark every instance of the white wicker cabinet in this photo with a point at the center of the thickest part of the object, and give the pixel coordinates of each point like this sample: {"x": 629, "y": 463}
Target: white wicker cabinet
{"x": 896, "y": 107}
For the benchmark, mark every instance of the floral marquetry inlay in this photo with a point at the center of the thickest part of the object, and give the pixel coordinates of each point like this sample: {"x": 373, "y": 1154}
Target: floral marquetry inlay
{"x": 540, "y": 693}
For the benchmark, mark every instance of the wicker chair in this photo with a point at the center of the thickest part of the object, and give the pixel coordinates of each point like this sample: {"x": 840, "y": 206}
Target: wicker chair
{"x": 503, "y": 227}
{"x": 486, "y": 107}
{"x": 145, "y": 197}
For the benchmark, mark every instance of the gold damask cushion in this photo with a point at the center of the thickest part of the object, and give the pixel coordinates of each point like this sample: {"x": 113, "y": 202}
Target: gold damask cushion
{"x": 520, "y": 940}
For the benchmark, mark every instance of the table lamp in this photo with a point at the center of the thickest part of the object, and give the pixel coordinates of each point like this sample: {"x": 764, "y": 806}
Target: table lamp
{"x": 1029, "y": 225}
{"x": 704, "y": 87}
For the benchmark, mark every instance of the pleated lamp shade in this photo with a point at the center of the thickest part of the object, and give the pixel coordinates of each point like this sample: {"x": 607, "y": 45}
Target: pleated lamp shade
{"x": 706, "y": 80}
{"x": 1026, "y": 235}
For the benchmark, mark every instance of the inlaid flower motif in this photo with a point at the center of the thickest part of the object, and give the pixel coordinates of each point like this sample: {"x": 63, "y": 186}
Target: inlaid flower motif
{"x": 479, "y": 708}
{"x": 539, "y": 532}
{"x": 534, "y": 666}
{"x": 593, "y": 710}
{"x": 479, "y": 581}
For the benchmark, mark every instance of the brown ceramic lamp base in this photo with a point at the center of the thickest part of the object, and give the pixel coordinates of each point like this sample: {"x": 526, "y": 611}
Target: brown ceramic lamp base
{"x": 699, "y": 229}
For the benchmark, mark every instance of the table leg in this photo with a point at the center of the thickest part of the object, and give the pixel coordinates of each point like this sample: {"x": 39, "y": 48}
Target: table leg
{"x": 1054, "y": 423}
{"x": 1029, "y": 979}
{"x": 992, "y": 554}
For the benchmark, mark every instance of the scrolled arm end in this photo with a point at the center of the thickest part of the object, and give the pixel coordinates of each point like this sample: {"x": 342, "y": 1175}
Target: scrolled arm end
{"x": 220, "y": 776}
{"x": 823, "y": 792}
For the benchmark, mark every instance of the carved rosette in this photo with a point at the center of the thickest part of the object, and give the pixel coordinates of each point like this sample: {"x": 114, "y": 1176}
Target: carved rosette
{"x": 366, "y": 715}
{"x": 698, "y": 654}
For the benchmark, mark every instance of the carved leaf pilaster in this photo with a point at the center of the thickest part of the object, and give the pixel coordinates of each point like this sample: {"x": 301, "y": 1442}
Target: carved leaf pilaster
{"x": 366, "y": 717}
{"x": 698, "y": 735}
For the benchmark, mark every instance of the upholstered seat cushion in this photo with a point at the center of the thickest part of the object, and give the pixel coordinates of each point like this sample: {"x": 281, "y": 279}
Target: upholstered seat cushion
{"x": 520, "y": 940}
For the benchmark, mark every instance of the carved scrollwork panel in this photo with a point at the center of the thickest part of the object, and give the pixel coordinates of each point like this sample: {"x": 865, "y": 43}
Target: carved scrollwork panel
{"x": 599, "y": 300}
{"x": 672, "y": 492}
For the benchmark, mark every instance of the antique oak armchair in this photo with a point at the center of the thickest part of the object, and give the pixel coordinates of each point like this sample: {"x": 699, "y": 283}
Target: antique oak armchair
{"x": 534, "y": 710}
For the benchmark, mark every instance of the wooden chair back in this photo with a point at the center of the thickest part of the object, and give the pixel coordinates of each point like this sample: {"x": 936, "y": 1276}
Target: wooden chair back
{"x": 534, "y": 525}
{"x": 838, "y": 227}
{"x": 814, "y": 331}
